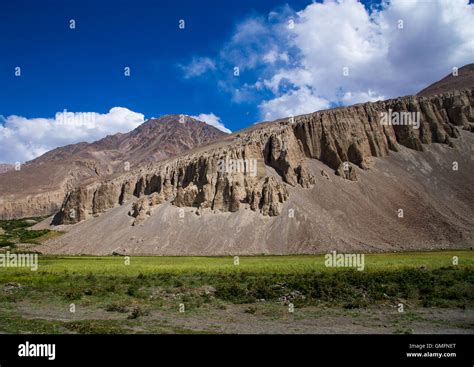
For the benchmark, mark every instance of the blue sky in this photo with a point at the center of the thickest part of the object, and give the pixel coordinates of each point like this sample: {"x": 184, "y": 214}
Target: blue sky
{"x": 290, "y": 56}
{"x": 82, "y": 69}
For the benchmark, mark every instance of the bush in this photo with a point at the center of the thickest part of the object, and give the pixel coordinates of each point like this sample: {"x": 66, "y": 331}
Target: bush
{"x": 116, "y": 307}
{"x": 136, "y": 313}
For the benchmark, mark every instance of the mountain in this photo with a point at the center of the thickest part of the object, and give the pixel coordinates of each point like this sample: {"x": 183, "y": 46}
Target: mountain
{"x": 40, "y": 186}
{"x": 5, "y": 167}
{"x": 154, "y": 140}
{"x": 339, "y": 179}
{"x": 464, "y": 79}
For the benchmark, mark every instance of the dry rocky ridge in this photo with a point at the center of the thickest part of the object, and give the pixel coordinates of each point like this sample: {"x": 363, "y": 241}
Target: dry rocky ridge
{"x": 320, "y": 182}
{"x": 41, "y": 185}
{"x": 463, "y": 79}
{"x": 339, "y": 138}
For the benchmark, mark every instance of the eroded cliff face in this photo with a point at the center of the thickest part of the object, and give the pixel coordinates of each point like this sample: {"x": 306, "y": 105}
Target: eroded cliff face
{"x": 39, "y": 190}
{"x": 221, "y": 177}
{"x": 31, "y": 205}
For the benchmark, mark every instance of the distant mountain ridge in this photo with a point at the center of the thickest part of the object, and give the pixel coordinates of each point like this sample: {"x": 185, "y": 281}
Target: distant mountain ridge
{"x": 464, "y": 79}
{"x": 39, "y": 187}
{"x": 153, "y": 140}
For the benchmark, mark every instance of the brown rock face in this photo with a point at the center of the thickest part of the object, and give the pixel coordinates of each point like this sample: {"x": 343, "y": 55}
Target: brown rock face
{"x": 42, "y": 184}
{"x": 141, "y": 209}
{"x": 254, "y": 168}
{"x": 347, "y": 171}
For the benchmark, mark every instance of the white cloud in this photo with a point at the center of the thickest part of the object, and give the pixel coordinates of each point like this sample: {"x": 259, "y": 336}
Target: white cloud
{"x": 300, "y": 69}
{"x": 292, "y": 104}
{"x": 350, "y": 98}
{"x": 197, "y": 67}
{"x": 213, "y": 120}
{"x": 22, "y": 139}
{"x": 251, "y": 38}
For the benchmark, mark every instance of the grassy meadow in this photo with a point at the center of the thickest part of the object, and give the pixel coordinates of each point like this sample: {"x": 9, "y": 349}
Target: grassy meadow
{"x": 262, "y": 294}
{"x": 149, "y": 294}
{"x": 116, "y": 265}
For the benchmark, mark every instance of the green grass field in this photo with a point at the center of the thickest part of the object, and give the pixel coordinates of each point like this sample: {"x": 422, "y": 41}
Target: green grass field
{"x": 17, "y": 231}
{"x": 115, "y": 265}
{"x": 116, "y": 298}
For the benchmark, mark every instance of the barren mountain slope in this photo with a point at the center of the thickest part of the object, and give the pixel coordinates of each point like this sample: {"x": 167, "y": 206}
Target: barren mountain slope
{"x": 464, "y": 79}
{"x": 5, "y": 167}
{"x": 40, "y": 186}
{"x": 332, "y": 179}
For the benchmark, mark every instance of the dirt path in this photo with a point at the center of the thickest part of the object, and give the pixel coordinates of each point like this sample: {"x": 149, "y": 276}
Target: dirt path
{"x": 268, "y": 318}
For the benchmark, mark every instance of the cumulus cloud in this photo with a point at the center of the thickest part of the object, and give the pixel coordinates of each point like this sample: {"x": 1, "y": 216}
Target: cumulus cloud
{"x": 341, "y": 52}
{"x": 213, "y": 120}
{"x": 22, "y": 139}
{"x": 293, "y": 103}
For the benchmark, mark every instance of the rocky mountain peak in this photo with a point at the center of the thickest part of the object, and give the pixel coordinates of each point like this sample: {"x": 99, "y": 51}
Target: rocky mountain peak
{"x": 51, "y": 175}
